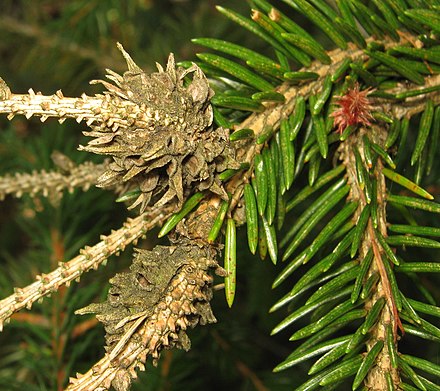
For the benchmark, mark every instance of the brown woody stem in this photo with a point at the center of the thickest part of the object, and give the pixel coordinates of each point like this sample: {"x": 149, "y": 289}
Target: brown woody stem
{"x": 376, "y": 379}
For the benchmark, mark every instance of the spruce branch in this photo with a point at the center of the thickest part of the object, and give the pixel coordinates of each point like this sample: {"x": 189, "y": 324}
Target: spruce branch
{"x": 274, "y": 112}
{"x": 88, "y": 259}
{"x": 111, "y": 114}
{"x": 389, "y": 315}
{"x": 51, "y": 183}
{"x": 158, "y": 130}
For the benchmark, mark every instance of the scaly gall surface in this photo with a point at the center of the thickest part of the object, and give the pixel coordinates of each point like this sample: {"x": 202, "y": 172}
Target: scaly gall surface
{"x": 157, "y": 128}
{"x": 166, "y": 291}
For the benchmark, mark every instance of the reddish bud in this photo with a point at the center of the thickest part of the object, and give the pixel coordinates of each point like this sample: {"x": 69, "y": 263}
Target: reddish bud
{"x": 354, "y": 108}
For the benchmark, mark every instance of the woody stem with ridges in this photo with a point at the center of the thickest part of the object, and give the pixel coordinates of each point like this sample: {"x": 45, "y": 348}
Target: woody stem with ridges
{"x": 389, "y": 316}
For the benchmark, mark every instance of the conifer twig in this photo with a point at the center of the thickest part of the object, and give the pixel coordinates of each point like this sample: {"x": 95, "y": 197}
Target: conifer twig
{"x": 389, "y": 314}
{"x": 50, "y": 183}
{"x": 97, "y": 110}
{"x": 274, "y": 113}
{"x": 89, "y": 258}
{"x": 412, "y": 105}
